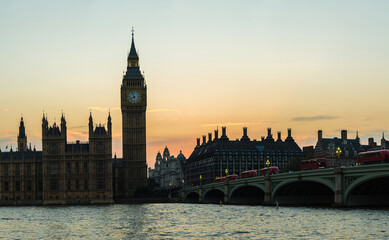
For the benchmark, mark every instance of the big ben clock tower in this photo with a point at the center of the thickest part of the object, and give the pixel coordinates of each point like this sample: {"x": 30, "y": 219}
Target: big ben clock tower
{"x": 133, "y": 104}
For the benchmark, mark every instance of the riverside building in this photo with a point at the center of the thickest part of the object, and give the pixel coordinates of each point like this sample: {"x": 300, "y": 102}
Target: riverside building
{"x": 213, "y": 156}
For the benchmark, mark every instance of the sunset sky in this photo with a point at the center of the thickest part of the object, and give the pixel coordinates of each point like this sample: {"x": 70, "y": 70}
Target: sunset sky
{"x": 305, "y": 65}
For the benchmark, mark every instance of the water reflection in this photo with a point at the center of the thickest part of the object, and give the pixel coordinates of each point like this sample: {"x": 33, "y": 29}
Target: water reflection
{"x": 177, "y": 221}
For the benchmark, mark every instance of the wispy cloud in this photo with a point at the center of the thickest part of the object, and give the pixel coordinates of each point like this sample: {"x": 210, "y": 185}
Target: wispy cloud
{"x": 162, "y": 110}
{"x": 78, "y": 127}
{"x": 314, "y": 118}
{"x": 104, "y": 109}
{"x": 231, "y": 124}
{"x": 5, "y": 109}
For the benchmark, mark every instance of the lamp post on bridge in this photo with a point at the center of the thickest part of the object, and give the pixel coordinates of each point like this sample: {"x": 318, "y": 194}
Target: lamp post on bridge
{"x": 267, "y": 165}
{"x": 226, "y": 174}
{"x": 338, "y": 152}
{"x": 201, "y": 177}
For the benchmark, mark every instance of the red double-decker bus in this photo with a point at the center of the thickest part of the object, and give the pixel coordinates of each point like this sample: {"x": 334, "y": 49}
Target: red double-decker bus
{"x": 232, "y": 177}
{"x": 247, "y": 174}
{"x": 272, "y": 170}
{"x": 222, "y": 179}
{"x": 373, "y": 157}
{"x": 312, "y": 164}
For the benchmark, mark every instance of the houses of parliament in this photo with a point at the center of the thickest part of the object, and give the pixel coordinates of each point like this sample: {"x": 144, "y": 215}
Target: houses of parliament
{"x": 81, "y": 172}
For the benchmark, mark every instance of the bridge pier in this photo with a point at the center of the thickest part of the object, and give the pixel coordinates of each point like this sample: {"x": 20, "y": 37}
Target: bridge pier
{"x": 339, "y": 188}
{"x": 201, "y": 194}
{"x": 226, "y": 192}
{"x": 268, "y": 191}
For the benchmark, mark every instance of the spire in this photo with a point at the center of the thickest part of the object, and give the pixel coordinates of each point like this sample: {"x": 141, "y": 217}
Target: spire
{"x": 133, "y": 55}
{"x": 383, "y": 135}
{"x": 22, "y": 131}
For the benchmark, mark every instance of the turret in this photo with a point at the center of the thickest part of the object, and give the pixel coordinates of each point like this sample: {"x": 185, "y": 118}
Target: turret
{"x": 109, "y": 125}
{"x": 63, "y": 127}
{"x": 22, "y": 138}
{"x": 90, "y": 124}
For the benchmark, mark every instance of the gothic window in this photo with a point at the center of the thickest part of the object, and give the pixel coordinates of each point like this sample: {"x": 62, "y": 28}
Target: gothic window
{"x": 17, "y": 186}
{"x": 53, "y": 184}
{"x": 53, "y": 168}
{"x": 77, "y": 168}
{"x": 28, "y": 169}
{"x": 6, "y": 186}
{"x": 40, "y": 186}
{"x": 77, "y": 184}
{"x": 6, "y": 169}
{"x": 85, "y": 167}
{"x": 85, "y": 184}
{"x": 100, "y": 167}
{"x": 68, "y": 167}
{"x": 17, "y": 169}
{"x": 69, "y": 184}
{"x": 29, "y": 186}
{"x": 100, "y": 184}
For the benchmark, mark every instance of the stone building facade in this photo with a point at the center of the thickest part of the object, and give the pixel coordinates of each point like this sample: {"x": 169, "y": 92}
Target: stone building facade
{"x": 327, "y": 147}
{"x": 168, "y": 171}
{"x": 62, "y": 173}
{"x": 212, "y": 157}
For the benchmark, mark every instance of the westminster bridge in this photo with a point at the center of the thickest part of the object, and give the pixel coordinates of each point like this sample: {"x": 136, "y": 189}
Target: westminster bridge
{"x": 366, "y": 185}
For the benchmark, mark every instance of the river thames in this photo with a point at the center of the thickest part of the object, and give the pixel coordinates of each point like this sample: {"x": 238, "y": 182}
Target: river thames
{"x": 191, "y": 221}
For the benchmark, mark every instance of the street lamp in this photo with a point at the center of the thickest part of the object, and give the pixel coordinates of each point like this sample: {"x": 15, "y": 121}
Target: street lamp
{"x": 267, "y": 165}
{"x": 338, "y": 152}
{"x": 201, "y": 177}
{"x": 226, "y": 174}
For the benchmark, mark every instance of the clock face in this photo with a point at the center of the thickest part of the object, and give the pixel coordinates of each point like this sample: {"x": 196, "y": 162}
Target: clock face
{"x": 133, "y": 97}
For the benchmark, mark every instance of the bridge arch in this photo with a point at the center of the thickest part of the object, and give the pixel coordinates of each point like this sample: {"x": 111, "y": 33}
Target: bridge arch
{"x": 311, "y": 191}
{"x": 247, "y": 194}
{"x": 214, "y": 195}
{"x": 369, "y": 190}
{"x": 192, "y": 197}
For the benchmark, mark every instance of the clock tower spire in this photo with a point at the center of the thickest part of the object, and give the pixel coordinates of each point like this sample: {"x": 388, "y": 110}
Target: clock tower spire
{"x": 133, "y": 105}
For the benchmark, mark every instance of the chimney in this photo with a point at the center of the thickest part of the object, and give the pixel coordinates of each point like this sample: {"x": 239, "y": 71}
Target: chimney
{"x": 198, "y": 142}
{"x": 371, "y": 142}
{"x": 262, "y": 138}
{"x": 216, "y": 134}
{"x": 279, "y": 136}
{"x": 344, "y": 135}
{"x": 289, "y": 132}
{"x": 245, "y": 131}
{"x": 209, "y": 137}
{"x": 319, "y": 135}
{"x": 204, "y": 139}
{"x": 224, "y": 131}
{"x": 269, "y": 132}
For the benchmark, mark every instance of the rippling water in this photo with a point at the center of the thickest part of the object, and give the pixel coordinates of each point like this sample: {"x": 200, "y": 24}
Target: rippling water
{"x": 191, "y": 221}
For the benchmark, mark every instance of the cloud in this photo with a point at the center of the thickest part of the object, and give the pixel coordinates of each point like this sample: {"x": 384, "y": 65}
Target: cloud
{"x": 314, "y": 118}
{"x": 78, "y": 127}
{"x": 162, "y": 110}
{"x": 5, "y": 109}
{"x": 231, "y": 124}
{"x": 104, "y": 109}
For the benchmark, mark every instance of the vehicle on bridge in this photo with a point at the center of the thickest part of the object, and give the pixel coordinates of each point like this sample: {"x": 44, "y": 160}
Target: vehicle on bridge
{"x": 312, "y": 164}
{"x": 220, "y": 179}
{"x": 247, "y": 174}
{"x": 373, "y": 157}
{"x": 272, "y": 170}
{"x": 229, "y": 178}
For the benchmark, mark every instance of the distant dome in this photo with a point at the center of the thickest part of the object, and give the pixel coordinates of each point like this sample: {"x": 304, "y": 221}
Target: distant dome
{"x": 181, "y": 156}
